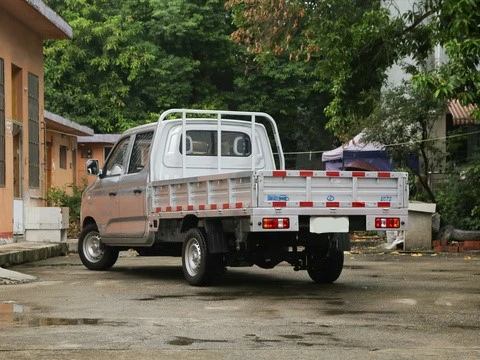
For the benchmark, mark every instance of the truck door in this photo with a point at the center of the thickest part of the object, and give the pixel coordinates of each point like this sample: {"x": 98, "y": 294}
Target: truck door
{"x": 105, "y": 191}
{"x": 132, "y": 195}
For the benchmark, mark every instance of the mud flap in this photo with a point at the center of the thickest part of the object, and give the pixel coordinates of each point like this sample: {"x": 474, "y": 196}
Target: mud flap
{"x": 217, "y": 243}
{"x": 340, "y": 242}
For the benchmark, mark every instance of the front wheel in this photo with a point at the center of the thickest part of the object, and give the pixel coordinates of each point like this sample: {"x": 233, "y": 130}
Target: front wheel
{"x": 94, "y": 254}
{"x": 325, "y": 266}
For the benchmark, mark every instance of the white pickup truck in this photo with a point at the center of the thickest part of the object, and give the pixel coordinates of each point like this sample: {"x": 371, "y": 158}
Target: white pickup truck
{"x": 217, "y": 199}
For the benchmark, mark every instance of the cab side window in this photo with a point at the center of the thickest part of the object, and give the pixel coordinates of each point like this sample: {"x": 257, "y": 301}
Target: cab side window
{"x": 116, "y": 160}
{"x": 141, "y": 147}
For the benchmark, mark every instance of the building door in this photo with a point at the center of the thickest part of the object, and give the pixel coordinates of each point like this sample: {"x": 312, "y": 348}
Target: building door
{"x": 74, "y": 166}
{"x": 49, "y": 165}
{"x": 17, "y": 134}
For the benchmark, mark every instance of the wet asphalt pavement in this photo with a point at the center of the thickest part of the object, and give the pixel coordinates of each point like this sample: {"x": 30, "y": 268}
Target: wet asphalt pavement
{"x": 384, "y": 306}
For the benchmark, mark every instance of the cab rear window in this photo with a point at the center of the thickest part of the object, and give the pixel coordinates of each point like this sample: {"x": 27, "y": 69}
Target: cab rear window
{"x": 204, "y": 143}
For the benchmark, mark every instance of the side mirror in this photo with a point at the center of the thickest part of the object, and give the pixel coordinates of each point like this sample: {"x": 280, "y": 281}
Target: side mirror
{"x": 92, "y": 167}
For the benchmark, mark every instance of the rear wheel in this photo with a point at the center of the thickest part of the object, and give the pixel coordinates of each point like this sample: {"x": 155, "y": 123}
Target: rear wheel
{"x": 94, "y": 254}
{"x": 199, "y": 266}
{"x": 325, "y": 266}
{"x": 325, "y": 256}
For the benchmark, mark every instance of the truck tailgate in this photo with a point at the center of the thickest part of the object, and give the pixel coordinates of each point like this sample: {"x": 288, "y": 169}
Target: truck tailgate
{"x": 332, "y": 189}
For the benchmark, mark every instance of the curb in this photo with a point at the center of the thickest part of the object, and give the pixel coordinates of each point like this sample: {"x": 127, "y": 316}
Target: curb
{"x": 19, "y": 253}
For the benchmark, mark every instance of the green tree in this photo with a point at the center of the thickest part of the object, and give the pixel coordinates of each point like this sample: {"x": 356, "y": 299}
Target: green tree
{"x": 405, "y": 120}
{"x": 286, "y": 90}
{"x": 127, "y": 63}
{"x": 455, "y": 27}
{"x": 456, "y": 197}
{"x": 130, "y": 60}
{"x": 352, "y": 43}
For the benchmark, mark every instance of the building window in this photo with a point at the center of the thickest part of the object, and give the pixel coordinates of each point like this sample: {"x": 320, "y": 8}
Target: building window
{"x": 63, "y": 157}
{"x": 2, "y": 124}
{"x": 33, "y": 132}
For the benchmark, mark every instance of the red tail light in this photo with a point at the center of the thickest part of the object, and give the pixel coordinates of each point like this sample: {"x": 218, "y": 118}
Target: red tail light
{"x": 275, "y": 223}
{"x": 387, "y": 223}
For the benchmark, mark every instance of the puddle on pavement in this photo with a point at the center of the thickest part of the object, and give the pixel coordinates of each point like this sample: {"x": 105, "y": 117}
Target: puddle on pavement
{"x": 354, "y": 267}
{"x": 16, "y": 314}
{"x": 160, "y": 297}
{"x": 291, "y": 337}
{"x": 357, "y": 312}
{"x": 465, "y": 327}
{"x": 203, "y": 297}
{"x": 185, "y": 341}
{"x": 260, "y": 340}
{"x": 232, "y": 296}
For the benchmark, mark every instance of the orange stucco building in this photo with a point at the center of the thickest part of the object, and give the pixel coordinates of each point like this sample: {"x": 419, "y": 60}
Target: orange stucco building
{"x": 61, "y": 151}
{"x": 24, "y": 25}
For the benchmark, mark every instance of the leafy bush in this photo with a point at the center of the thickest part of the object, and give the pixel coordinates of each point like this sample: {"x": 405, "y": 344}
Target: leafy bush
{"x": 458, "y": 198}
{"x": 60, "y": 197}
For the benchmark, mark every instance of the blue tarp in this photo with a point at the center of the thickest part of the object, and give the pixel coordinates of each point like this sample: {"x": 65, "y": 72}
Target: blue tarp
{"x": 357, "y": 155}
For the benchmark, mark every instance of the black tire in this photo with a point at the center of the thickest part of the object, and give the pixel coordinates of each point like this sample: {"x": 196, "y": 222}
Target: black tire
{"x": 199, "y": 266}
{"x": 94, "y": 254}
{"x": 325, "y": 266}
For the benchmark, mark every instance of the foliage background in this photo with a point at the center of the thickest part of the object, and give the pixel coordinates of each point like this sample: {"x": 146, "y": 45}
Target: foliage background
{"x": 129, "y": 61}
{"x": 318, "y": 67}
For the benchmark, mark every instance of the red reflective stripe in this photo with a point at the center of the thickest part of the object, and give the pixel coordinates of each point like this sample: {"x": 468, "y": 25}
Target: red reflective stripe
{"x": 190, "y": 207}
{"x": 306, "y": 203}
{"x": 358, "y": 173}
{"x": 333, "y": 204}
{"x": 225, "y": 206}
{"x": 384, "y": 174}
{"x": 168, "y": 208}
{"x": 279, "y": 204}
{"x": 201, "y": 207}
{"x": 383, "y": 204}
{"x": 306, "y": 173}
{"x": 238, "y": 205}
{"x": 333, "y": 173}
{"x": 358, "y": 204}
{"x": 179, "y": 208}
{"x": 213, "y": 206}
{"x": 279, "y": 173}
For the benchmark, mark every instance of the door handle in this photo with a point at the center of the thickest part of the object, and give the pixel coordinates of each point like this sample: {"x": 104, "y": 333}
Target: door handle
{"x": 112, "y": 194}
{"x": 137, "y": 191}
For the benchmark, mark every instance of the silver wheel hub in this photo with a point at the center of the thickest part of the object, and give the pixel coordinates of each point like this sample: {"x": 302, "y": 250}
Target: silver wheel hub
{"x": 193, "y": 257}
{"x": 93, "y": 248}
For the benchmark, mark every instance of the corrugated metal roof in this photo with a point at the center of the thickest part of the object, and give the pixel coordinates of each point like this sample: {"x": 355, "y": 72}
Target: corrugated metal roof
{"x": 99, "y": 138}
{"x": 38, "y": 17}
{"x": 56, "y": 122}
{"x": 462, "y": 115}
